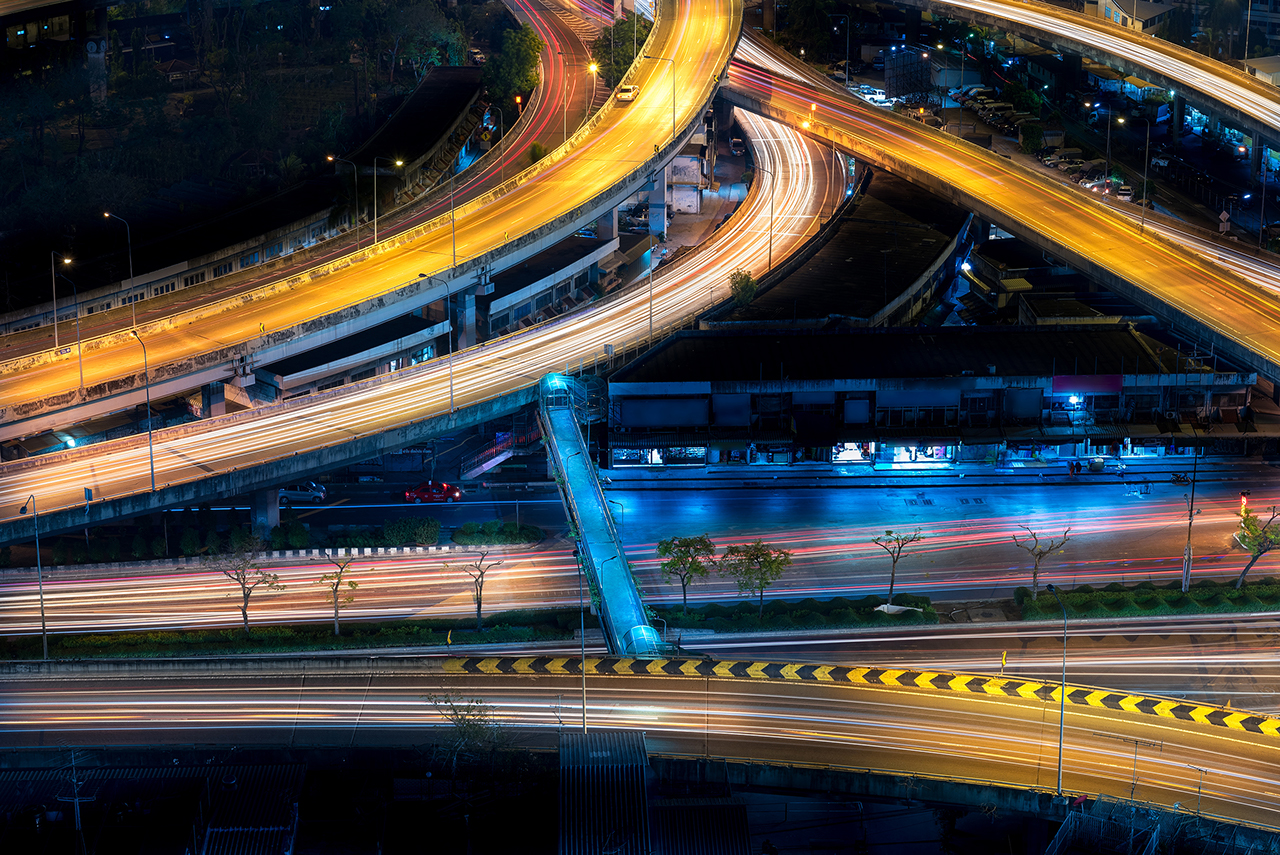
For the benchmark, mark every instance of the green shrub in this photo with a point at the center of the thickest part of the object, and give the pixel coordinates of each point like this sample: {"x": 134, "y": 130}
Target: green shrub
{"x": 212, "y": 543}
{"x": 296, "y": 536}
{"x": 1021, "y": 595}
{"x": 6, "y": 556}
{"x": 1114, "y": 588}
{"x": 491, "y": 528}
{"x": 189, "y": 543}
{"x": 138, "y": 549}
{"x": 1084, "y": 589}
{"x": 1147, "y": 585}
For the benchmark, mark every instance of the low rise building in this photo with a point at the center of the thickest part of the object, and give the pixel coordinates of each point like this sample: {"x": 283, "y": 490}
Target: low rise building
{"x": 910, "y": 398}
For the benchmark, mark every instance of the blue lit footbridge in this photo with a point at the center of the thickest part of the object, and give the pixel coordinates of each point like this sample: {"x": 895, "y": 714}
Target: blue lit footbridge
{"x": 562, "y": 401}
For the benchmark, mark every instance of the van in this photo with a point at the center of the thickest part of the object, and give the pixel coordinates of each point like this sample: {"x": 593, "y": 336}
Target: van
{"x": 1062, "y": 154}
{"x": 628, "y": 93}
{"x": 307, "y": 491}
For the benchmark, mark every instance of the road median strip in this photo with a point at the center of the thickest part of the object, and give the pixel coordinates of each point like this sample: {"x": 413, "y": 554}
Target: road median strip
{"x": 894, "y": 678}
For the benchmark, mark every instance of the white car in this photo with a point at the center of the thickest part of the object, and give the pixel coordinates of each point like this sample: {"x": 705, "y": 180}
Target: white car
{"x": 628, "y": 92}
{"x": 1125, "y": 193}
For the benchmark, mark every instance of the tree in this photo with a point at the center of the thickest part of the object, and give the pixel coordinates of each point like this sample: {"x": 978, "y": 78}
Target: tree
{"x": 894, "y": 544}
{"x": 686, "y": 561}
{"x": 476, "y": 571}
{"x": 755, "y": 566}
{"x": 1257, "y": 537}
{"x": 475, "y": 727}
{"x": 241, "y": 567}
{"x": 334, "y": 582}
{"x": 614, "y": 50}
{"x": 1039, "y": 551}
{"x": 742, "y": 286}
{"x": 514, "y": 69}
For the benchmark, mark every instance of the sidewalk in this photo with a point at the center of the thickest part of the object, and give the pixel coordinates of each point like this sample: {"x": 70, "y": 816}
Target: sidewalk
{"x": 1136, "y": 472}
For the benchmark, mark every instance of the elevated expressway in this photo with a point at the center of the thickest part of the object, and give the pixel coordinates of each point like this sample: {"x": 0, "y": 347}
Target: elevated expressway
{"x": 880, "y": 722}
{"x": 614, "y": 154}
{"x": 259, "y": 448}
{"x": 1200, "y": 300}
{"x": 1214, "y": 87}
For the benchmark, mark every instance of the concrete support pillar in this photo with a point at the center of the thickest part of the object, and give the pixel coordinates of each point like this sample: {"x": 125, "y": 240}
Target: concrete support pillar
{"x": 264, "y": 514}
{"x": 607, "y": 225}
{"x": 466, "y": 314}
{"x": 1176, "y": 117}
{"x": 658, "y": 204}
{"x": 215, "y": 396}
{"x": 1255, "y": 155}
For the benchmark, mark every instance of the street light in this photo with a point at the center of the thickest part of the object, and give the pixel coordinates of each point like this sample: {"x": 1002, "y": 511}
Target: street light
{"x": 44, "y": 633}
{"x": 591, "y": 69}
{"x": 1146, "y": 163}
{"x": 79, "y": 348}
{"x": 448, "y": 311}
{"x": 1062, "y": 696}
{"x": 771, "y": 181}
{"x": 53, "y": 285}
{"x": 128, "y": 234}
{"x": 355, "y": 172}
{"x": 398, "y": 164}
{"x": 846, "y": 46}
{"x": 502, "y": 123}
{"x": 673, "y": 91}
{"x": 146, "y": 380}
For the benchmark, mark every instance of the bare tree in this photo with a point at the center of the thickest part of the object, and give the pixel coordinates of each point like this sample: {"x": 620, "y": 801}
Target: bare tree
{"x": 1039, "y": 550}
{"x": 335, "y": 582}
{"x": 476, "y": 570}
{"x": 241, "y": 567}
{"x": 1257, "y": 537}
{"x": 688, "y": 558}
{"x": 894, "y": 544}
{"x": 475, "y": 727}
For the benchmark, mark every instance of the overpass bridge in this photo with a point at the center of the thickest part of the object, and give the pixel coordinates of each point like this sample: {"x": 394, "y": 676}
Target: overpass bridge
{"x": 600, "y": 550}
{"x": 1198, "y": 300}
{"x": 889, "y": 723}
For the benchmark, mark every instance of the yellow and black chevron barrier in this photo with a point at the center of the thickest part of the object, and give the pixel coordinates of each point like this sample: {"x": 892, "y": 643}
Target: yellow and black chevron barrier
{"x": 976, "y": 684}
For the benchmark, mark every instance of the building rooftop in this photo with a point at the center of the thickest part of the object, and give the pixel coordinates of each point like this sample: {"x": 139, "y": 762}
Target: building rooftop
{"x": 1264, "y": 64}
{"x": 820, "y": 355}
{"x": 546, "y": 263}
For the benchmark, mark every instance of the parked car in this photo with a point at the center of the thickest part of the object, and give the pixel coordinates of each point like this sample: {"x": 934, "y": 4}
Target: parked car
{"x": 1160, "y": 160}
{"x": 1073, "y": 164}
{"x": 1125, "y": 193}
{"x": 628, "y": 92}
{"x": 432, "y": 491}
{"x": 1044, "y": 152}
{"x": 737, "y": 147}
{"x": 307, "y": 491}
{"x": 476, "y": 57}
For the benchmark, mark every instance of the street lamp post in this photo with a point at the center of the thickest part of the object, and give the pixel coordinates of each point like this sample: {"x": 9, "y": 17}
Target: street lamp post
{"x": 79, "y": 347}
{"x": 673, "y": 91}
{"x": 53, "y": 286}
{"x": 146, "y": 380}
{"x": 1191, "y": 515}
{"x": 448, "y": 311}
{"x": 502, "y": 124}
{"x": 128, "y": 235}
{"x": 846, "y": 47}
{"x": 650, "y": 289}
{"x": 1062, "y": 695}
{"x": 771, "y": 181}
{"x": 35, "y": 515}
{"x": 592, "y": 69}
{"x": 1146, "y": 163}
{"x": 355, "y": 171}
{"x": 564, "y": 99}
{"x": 398, "y": 164}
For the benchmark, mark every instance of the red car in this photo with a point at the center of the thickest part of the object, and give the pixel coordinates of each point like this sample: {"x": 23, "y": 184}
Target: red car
{"x": 432, "y": 491}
